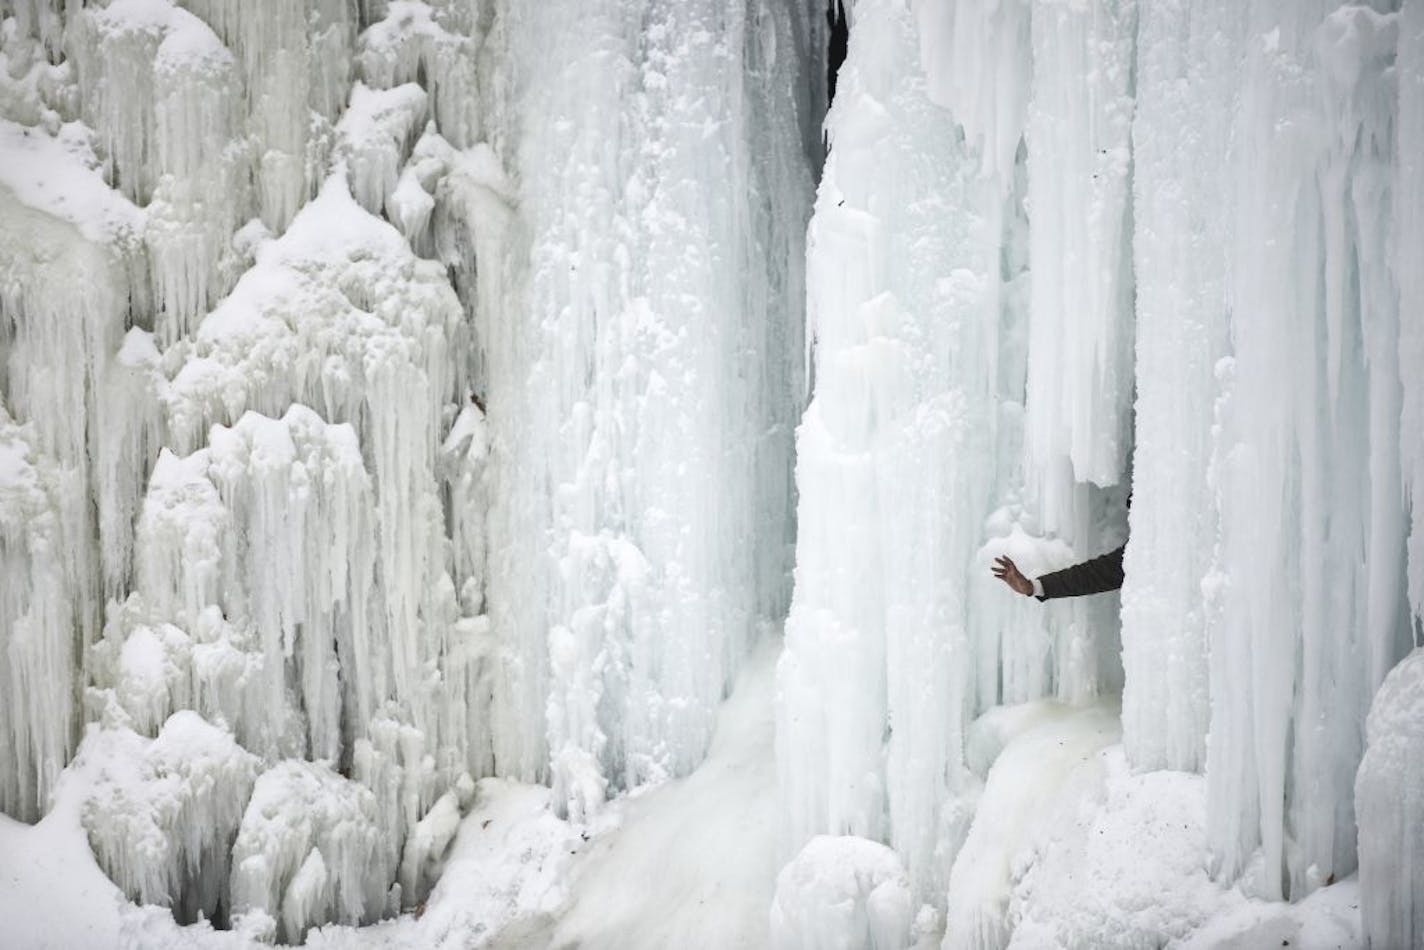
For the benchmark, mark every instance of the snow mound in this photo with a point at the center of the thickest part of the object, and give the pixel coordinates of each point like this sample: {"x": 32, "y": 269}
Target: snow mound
{"x": 842, "y": 893}
{"x": 1127, "y": 869}
{"x": 1389, "y": 799}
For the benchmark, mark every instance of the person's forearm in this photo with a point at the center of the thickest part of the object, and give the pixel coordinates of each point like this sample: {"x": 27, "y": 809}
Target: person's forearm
{"x": 1091, "y": 577}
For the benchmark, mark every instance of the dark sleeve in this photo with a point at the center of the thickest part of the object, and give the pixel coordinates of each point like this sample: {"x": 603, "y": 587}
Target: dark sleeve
{"x": 1091, "y": 577}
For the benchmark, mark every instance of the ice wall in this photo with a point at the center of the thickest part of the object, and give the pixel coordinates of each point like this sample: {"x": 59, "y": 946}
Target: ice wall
{"x": 1181, "y": 241}
{"x": 911, "y": 455}
{"x": 381, "y": 408}
{"x": 665, "y": 171}
{"x": 1309, "y": 484}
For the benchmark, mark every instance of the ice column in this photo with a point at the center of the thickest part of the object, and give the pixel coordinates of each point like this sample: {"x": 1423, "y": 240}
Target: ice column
{"x": 1188, "y": 83}
{"x": 1307, "y": 485}
{"x": 1080, "y": 383}
{"x": 895, "y": 462}
{"x": 646, "y": 399}
{"x": 39, "y": 602}
{"x": 67, "y": 258}
{"x": 1408, "y": 240}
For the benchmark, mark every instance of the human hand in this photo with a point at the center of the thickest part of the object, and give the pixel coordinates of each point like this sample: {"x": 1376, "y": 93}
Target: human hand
{"x": 1005, "y": 570}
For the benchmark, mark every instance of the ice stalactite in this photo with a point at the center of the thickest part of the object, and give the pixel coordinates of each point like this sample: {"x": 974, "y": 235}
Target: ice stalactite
{"x": 1078, "y": 138}
{"x": 1188, "y": 85}
{"x": 1308, "y": 485}
{"x": 1407, "y": 242}
{"x": 652, "y": 386}
{"x": 69, "y": 249}
{"x": 40, "y": 599}
{"x": 875, "y": 678}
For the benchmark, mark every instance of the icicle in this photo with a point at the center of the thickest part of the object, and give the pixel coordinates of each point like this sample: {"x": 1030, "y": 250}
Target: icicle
{"x": 1080, "y": 387}
{"x": 39, "y": 620}
{"x": 1308, "y": 485}
{"x": 374, "y": 138}
{"x": 977, "y": 60}
{"x": 1188, "y": 82}
{"x": 1408, "y": 239}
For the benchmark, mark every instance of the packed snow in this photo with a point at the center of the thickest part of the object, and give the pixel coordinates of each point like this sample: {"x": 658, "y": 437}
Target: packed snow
{"x": 493, "y": 474}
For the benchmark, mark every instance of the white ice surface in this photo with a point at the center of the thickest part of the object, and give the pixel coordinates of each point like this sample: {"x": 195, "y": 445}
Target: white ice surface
{"x": 690, "y": 863}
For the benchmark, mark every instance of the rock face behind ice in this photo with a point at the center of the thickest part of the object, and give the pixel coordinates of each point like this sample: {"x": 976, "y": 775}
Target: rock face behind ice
{"x": 1389, "y": 804}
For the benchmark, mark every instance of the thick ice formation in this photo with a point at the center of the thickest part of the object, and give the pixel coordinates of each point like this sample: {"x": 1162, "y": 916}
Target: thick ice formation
{"x": 274, "y": 525}
{"x": 649, "y": 382}
{"x": 1164, "y": 249}
{"x": 161, "y": 813}
{"x": 328, "y": 328}
{"x": 40, "y": 599}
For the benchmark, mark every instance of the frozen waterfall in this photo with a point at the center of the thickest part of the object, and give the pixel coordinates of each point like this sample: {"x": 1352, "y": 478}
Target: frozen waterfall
{"x": 384, "y": 409}
{"x": 419, "y": 417}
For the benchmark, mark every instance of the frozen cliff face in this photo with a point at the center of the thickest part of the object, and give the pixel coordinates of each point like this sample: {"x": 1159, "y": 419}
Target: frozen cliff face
{"x": 1160, "y": 248}
{"x": 389, "y": 408}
